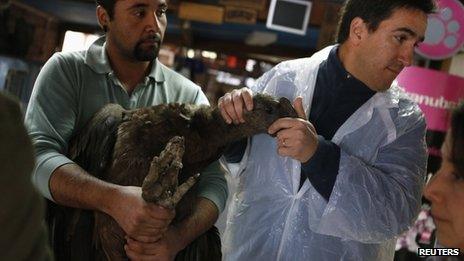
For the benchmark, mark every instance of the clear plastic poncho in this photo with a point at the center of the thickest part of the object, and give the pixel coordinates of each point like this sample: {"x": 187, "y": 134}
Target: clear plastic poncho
{"x": 376, "y": 196}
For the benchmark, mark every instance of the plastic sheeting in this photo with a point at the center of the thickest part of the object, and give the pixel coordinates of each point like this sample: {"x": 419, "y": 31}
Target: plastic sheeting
{"x": 376, "y": 195}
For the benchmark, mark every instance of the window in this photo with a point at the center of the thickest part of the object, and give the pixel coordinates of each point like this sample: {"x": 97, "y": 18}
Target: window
{"x": 77, "y": 41}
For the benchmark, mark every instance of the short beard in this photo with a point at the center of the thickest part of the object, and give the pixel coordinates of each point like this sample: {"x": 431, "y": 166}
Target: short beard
{"x": 147, "y": 55}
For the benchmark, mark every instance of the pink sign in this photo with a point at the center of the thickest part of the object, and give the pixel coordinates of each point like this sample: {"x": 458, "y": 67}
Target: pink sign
{"x": 445, "y": 31}
{"x": 436, "y": 92}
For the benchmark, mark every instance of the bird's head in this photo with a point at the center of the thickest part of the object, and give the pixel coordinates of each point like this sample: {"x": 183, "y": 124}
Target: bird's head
{"x": 266, "y": 110}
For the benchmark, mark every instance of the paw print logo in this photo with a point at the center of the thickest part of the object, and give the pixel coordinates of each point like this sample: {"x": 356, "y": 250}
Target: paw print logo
{"x": 445, "y": 31}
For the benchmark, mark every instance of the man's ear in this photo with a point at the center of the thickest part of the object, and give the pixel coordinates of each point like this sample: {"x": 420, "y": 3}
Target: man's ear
{"x": 103, "y": 17}
{"x": 358, "y": 30}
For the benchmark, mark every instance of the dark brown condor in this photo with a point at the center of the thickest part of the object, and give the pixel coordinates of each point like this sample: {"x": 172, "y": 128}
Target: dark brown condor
{"x": 122, "y": 147}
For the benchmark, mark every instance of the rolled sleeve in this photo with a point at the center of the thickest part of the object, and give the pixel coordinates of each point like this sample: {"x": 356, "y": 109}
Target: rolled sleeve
{"x": 47, "y": 163}
{"x": 213, "y": 186}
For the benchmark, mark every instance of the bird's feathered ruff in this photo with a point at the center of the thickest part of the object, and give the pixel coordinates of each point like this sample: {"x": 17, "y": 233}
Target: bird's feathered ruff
{"x": 93, "y": 149}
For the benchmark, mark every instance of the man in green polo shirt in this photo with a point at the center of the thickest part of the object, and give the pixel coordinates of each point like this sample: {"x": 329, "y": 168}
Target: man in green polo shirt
{"x": 122, "y": 68}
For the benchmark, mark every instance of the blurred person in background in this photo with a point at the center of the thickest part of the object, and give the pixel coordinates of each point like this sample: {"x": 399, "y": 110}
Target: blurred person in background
{"x": 22, "y": 209}
{"x": 445, "y": 189}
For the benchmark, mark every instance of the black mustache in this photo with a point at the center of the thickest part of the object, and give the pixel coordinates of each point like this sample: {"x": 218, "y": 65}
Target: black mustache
{"x": 155, "y": 37}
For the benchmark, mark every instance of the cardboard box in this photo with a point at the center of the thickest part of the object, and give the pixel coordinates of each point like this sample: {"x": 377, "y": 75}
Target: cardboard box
{"x": 259, "y": 5}
{"x": 202, "y": 13}
{"x": 240, "y": 15}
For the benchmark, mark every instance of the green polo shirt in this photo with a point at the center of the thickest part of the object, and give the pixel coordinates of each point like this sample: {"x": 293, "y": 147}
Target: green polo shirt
{"x": 71, "y": 87}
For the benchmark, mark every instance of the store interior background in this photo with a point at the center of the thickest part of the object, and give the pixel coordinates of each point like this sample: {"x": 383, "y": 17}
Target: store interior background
{"x": 227, "y": 47}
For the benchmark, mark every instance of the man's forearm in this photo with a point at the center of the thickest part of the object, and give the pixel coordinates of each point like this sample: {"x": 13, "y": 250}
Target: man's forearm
{"x": 203, "y": 217}
{"x": 72, "y": 186}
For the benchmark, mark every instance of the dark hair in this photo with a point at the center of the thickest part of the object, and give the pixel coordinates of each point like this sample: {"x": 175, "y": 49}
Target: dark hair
{"x": 373, "y": 12}
{"x": 457, "y": 138}
{"x": 108, "y": 5}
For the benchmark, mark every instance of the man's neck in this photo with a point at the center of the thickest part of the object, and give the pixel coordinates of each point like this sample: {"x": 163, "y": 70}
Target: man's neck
{"x": 129, "y": 71}
{"x": 349, "y": 59}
